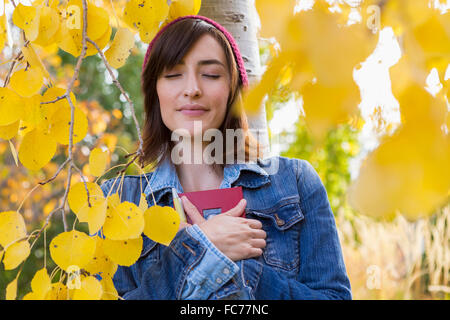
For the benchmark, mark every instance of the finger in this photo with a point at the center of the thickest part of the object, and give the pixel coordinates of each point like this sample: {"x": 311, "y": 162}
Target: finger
{"x": 183, "y": 225}
{"x": 238, "y": 209}
{"x": 192, "y": 211}
{"x": 255, "y": 224}
{"x": 259, "y": 234}
{"x": 254, "y": 253}
{"x": 258, "y": 243}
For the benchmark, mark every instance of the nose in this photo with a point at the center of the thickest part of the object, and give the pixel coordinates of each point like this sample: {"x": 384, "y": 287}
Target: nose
{"x": 192, "y": 88}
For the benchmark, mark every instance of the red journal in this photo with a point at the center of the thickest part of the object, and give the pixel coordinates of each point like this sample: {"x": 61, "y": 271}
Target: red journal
{"x": 225, "y": 199}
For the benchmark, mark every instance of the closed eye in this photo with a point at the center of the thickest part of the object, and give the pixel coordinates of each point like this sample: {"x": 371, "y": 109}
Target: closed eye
{"x": 206, "y": 75}
{"x": 171, "y": 75}
{"x": 212, "y": 76}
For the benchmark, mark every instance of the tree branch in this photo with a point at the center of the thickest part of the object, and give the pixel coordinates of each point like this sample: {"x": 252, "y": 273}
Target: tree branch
{"x": 119, "y": 86}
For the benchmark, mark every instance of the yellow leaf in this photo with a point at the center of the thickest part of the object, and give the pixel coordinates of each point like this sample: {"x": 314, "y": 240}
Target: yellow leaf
{"x": 9, "y": 131}
{"x": 11, "y": 107}
{"x": 253, "y": 97}
{"x": 97, "y": 161}
{"x": 109, "y": 291}
{"x": 57, "y": 292}
{"x": 326, "y": 107}
{"x": 418, "y": 107}
{"x": 145, "y": 16}
{"x": 314, "y": 34}
{"x": 72, "y": 248}
{"x": 11, "y": 290}
{"x": 120, "y": 48}
{"x": 61, "y": 121}
{"x": 3, "y": 31}
{"x": 101, "y": 42}
{"x": 48, "y": 26}
{"x": 91, "y": 289}
{"x": 433, "y": 37}
{"x": 180, "y": 8}
{"x": 31, "y": 296}
{"x": 161, "y": 224}
{"x": 272, "y": 14}
{"x": 98, "y": 19}
{"x": 41, "y": 284}
{"x": 51, "y": 94}
{"x": 12, "y": 227}
{"x": 101, "y": 264}
{"x": 94, "y": 215}
{"x": 27, "y": 18}
{"x": 98, "y": 29}
{"x": 33, "y": 59}
{"x": 123, "y": 252}
{"x": 407, "y": 172}
{"x": 113, "y": 201}
{"x": 36, "y": 115}
{"x": 16, "y": 254}
{"x": 37, "y": 149}
{"x": 78, "y": 197}
{"x": 27, "y": 82}
{"x": 69, "y": 40}
{"x": 126, "y": 221}
{"x": 143, "y": 205}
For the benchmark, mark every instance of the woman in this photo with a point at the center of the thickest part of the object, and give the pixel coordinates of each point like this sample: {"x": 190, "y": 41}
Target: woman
{"x": 286, "y": 247}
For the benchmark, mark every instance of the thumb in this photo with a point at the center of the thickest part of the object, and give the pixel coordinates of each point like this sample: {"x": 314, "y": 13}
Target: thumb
{"x": 192, "y": 211}
{"x": 237, "y": 210}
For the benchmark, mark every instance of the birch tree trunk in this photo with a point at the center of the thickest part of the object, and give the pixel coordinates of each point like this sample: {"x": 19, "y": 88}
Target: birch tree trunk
{"x": 239, "y": 17}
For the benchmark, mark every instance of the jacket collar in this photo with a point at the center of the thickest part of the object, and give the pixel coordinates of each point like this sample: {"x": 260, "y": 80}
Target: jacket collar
{"x": 165, "y": 177}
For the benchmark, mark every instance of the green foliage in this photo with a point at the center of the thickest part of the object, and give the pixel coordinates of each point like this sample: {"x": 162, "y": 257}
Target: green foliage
{"x": 331, "y": 160}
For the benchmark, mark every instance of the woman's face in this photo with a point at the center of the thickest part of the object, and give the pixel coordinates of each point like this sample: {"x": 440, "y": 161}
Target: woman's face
{"x": 200, "y": 79}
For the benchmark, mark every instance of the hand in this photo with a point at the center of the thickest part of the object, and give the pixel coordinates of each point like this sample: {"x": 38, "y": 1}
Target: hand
{"x": 236, "y": 237}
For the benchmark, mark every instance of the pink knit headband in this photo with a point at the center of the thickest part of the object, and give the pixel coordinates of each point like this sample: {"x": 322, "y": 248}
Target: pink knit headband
{"x": 237, "y": 53}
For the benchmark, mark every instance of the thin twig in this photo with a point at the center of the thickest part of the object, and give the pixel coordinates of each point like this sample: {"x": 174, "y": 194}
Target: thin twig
{"x": 11, "y": 68}
{"x": 119, "y": 86}
{"x": 84, "y": 182}
{"x": 129, "y": 163}
{"x": 57, "y": 172}
{"x": 57, "y": 99}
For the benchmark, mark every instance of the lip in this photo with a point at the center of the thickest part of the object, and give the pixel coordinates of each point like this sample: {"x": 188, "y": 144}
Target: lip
{"x": 192, "y": 110}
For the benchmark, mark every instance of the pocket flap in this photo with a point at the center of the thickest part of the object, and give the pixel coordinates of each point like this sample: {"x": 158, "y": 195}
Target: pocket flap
{"x": 284, "y": 214}
{"x": 147, "y": 245}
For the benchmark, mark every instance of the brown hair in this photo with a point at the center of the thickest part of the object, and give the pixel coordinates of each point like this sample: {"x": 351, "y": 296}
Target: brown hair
{"x": 167, "y": 51}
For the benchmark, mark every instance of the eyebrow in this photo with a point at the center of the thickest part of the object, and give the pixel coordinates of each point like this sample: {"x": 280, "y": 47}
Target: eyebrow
{"x": 206, "y": 62}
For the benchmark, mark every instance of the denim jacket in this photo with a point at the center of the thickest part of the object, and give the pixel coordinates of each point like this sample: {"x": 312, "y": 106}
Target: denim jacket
{"x": 302, "y": 258}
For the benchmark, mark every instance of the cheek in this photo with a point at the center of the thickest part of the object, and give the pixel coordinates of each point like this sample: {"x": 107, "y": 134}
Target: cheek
{"x": 220, "y": 96}
{"x": 164, "y": 105}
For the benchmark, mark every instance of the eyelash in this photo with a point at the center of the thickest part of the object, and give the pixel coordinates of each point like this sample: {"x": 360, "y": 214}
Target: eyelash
{"x": 206, "y": 75}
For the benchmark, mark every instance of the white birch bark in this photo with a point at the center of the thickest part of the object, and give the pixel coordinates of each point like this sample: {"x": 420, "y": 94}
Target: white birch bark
{"x": 240, "y": 18}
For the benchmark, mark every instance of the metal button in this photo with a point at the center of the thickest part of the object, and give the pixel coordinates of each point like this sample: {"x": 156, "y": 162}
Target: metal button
{"x": 280, "y": 222}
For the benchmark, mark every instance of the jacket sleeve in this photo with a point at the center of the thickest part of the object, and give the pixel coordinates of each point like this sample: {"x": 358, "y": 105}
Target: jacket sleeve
{"x": 214, "y": 270}
{"x": 189, "y": 268}
{"x": 322, "y": 273}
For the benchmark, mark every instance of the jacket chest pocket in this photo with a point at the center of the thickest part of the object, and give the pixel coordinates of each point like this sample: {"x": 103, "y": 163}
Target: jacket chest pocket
{"x": 149, "y": 256}
{"x": 282, "y": 225}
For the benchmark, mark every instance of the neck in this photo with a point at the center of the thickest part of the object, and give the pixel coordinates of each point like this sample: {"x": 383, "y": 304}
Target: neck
{"x": 198, "y": 177}
{"x": 195, "y": 173}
